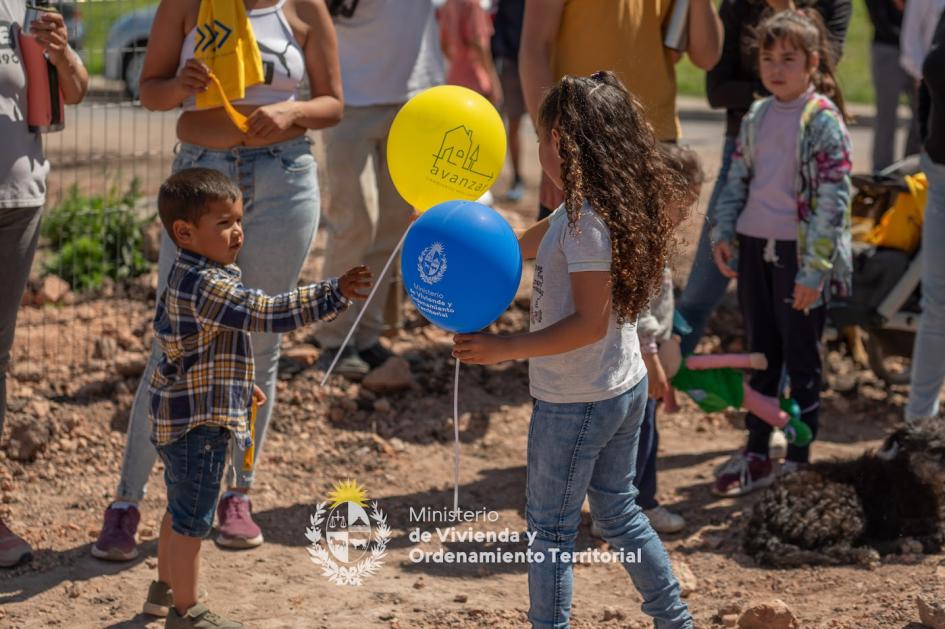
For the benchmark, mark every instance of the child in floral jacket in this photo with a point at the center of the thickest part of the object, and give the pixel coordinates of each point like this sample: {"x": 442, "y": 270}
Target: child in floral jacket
{"x": 783, "y": 228}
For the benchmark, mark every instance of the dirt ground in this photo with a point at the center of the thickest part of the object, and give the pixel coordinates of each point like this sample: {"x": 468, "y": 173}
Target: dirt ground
{"x": 400, "y": 448}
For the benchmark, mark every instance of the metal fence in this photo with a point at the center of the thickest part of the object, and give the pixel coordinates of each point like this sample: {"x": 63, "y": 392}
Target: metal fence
{"x": 88, "y": 304}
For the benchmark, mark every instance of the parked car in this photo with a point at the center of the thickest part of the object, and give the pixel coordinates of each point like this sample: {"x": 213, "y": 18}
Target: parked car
{"x": 124, "y": 48}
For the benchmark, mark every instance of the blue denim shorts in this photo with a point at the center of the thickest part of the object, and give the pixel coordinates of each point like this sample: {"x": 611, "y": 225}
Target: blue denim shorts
{"x": 193, "y": 467}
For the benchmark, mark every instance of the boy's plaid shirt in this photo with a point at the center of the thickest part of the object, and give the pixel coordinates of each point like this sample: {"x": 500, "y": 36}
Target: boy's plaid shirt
{"x": 203, "y": 319}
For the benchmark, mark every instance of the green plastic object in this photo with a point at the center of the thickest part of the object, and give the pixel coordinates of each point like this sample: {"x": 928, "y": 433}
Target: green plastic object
{"x": 796, "y": 431}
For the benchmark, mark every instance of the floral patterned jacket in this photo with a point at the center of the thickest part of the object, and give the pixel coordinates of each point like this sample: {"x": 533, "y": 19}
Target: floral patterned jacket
{"x": 823, "y": 193}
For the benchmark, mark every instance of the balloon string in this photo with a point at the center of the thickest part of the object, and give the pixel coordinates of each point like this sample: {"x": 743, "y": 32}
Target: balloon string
{"x": 364, "y": 306}
{"x": 456, "y": 439}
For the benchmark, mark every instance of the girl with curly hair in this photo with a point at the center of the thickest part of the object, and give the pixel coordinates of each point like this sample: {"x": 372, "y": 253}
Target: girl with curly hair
{"x": 599, "y": 258}
{"x": 783, "y": 228}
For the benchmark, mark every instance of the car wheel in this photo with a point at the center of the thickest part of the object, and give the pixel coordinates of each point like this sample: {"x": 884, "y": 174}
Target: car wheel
{"x": 134, "y": 62}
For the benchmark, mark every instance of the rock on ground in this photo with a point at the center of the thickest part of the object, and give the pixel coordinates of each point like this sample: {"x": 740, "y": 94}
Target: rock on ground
{"x": 773, "y": 614}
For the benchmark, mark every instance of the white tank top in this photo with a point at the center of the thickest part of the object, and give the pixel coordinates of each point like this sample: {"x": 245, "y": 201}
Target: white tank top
{"x": 282, "y": 58}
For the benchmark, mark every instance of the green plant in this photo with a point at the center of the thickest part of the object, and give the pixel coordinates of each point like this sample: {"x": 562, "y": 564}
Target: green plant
{"x": 94, "y": 237}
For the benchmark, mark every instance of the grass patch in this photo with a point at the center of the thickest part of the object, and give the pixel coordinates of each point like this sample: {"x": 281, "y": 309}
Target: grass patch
{"x": 854, "y": 70}
{"x": 98, "y": 17}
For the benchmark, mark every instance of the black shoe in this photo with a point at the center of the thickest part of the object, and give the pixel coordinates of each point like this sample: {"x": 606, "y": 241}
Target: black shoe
{"x": 350, "y": 365}
{"x": 375, "y": 355}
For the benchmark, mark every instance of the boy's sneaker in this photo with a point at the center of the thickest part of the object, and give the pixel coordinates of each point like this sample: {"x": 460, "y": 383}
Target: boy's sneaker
{"x": 116, "y": 542}
{"x": 161, "y": 599}
{"x": 744, "y": 474}
{"x": 199, "y": 617}
{"x": 235, "y": 523}
{"x": 13, "y": 549}
{"x": 516, "y": 192}
{"x": 350, "y": 365}
{"x": 665, "y": 521}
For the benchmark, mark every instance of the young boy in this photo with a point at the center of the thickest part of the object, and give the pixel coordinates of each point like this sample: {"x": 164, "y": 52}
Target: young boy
{"x": 654, "y": 327}
{"x": 203, "y": 385}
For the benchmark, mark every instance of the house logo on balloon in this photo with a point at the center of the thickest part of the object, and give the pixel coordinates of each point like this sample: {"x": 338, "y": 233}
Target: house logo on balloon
{"x": 455, "y": 161}
{"x": 431, "y": 264}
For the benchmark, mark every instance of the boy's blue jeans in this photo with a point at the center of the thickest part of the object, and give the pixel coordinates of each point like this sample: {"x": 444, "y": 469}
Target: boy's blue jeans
{"x": 591, "y": 448}
{"x": 928, "y": 365}
{"x": 193, "y": 467}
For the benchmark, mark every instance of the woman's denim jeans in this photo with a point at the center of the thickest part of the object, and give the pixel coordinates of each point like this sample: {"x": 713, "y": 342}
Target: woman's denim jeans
{"x": 706, "y": 284}
{"x": 928, "y": 357}
{"x": 281, "y": 209}
{"x": 591, "y": 448}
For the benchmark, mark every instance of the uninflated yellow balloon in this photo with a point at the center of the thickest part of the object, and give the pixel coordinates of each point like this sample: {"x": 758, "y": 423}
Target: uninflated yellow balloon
{"x": 446, "y": 143}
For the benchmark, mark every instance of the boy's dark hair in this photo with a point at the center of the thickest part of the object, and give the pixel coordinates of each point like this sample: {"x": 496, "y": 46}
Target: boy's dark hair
{"x": 804, "y": 30}
{"x": 685, "y": 162}
{"x": 610, "y": 156}
{"x": 186, "y": 195}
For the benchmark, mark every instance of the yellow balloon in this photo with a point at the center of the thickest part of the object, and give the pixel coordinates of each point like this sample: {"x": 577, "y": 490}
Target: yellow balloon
{"x": 446, "y": 143}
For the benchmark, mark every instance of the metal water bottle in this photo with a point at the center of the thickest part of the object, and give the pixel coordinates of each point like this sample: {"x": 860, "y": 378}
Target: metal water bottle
{"x": 676, "y": 36}
{"x": 44, "y": 102}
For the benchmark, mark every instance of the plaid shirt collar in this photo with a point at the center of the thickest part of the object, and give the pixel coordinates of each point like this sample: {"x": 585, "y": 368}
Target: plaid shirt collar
{"x": 192, "y": 258}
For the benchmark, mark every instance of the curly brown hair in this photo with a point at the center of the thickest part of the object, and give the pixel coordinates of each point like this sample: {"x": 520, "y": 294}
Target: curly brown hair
{"x": 611, "y": 158}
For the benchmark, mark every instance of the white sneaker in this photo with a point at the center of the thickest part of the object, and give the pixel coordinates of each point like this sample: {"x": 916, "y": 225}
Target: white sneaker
{"x": 777, "y": 446}
{"x": 665, "y": 521}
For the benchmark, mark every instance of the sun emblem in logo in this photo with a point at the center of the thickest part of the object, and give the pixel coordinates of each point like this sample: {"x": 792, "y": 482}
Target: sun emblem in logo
{"x": 432, "y": 263}
{"x": 352, "y": 548}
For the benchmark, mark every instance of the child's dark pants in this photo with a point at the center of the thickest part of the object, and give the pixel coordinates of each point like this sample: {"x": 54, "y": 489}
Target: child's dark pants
{"x": 789, "y": 338}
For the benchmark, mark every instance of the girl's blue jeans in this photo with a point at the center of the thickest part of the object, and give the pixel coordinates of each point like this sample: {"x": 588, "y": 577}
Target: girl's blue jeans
{"x": 590, "y": 449}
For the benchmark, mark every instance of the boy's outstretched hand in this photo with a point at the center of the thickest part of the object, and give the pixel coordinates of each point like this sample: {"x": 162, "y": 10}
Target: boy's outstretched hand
{"x": 480, "y": 349}
{"x": 355, "y": 283}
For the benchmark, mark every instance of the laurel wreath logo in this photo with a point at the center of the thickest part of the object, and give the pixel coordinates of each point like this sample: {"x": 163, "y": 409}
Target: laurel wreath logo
{"x": 348, "y": 575}
{"x": 433, "y": 253}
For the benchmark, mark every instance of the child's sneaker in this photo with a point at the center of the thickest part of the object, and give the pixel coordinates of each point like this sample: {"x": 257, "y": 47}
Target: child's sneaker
{"x": 777, "y": 445}
{"x": 199, "y": 617}
{"x": 116, "y": 542}
{"x": 161, "y": 599}
{"x": 13, "y": 549}
{"x": 789, "y": 467}
{"x": 665, "y": 521}
{"x": 744, "y": 474}
{"x": 235, "y": 523}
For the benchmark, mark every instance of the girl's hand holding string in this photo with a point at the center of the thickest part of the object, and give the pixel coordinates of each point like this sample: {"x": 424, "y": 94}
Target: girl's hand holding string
{"x": 481, "y": 349}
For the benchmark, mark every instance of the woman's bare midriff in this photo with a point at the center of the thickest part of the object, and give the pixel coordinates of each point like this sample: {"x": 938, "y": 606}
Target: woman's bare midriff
{"x": 213, "y": 129}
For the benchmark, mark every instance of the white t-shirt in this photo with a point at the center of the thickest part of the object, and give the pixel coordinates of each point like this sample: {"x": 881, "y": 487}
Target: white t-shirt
{"x": 21, "y": 158}
{"x": 595, "y": 372}
{"x": 389, "y": 51}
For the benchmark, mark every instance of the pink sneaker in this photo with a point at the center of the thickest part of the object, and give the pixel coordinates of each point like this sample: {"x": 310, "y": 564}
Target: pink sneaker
{"x": 235, "y": 523}
{"x": 13, "y": 549}
{"x": 116, "y": 542}
{"x": 744, "y": 474}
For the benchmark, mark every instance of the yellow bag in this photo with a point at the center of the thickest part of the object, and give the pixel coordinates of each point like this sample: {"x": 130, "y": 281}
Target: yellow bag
{"x": 901, "y": 225}
{"x": 225, "y": 42}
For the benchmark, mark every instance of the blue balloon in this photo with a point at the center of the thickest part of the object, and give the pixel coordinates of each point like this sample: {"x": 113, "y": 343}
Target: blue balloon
{"x": 461, "y": 265}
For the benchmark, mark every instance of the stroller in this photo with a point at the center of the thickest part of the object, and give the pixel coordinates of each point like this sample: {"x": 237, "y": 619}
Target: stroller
{"x": 885, "y": 303}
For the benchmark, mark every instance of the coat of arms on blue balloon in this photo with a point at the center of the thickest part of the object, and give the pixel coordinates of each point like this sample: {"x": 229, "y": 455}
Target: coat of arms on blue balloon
{"x": 461, "y": 265}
